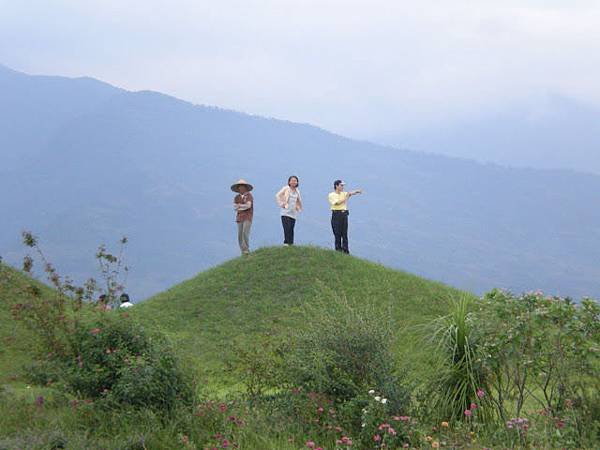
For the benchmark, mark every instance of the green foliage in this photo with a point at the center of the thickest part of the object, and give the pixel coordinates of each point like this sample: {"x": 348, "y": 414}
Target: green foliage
{"x": 344, "y": 351}
{"x": 256, "y": 365}
{"x": 544, "y": 351}
{"x": 269, "y": 309}
{"x": 458, "y": 389}
{"x": 95, "y": 353}
{"x": 111, "y": 358}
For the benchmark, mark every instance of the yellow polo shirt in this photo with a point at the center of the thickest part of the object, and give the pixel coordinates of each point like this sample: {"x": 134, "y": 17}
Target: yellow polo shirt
{"x": 334, "y": 197}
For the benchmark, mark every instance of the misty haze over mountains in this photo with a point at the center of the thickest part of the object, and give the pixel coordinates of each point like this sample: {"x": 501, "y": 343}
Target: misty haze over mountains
{"x": 551, "y": 132}
{"x": 84, "y": 163}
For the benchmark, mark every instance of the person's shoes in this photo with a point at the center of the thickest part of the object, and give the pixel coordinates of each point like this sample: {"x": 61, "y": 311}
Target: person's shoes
{"x": 286, "y": 245}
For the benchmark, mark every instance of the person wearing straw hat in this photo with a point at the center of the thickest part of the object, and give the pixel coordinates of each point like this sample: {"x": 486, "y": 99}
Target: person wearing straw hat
{"x": 243, "y": 204}
{"x": 338, "y": 202}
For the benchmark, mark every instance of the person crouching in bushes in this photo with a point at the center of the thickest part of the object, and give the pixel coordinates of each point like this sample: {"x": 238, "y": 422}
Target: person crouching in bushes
{"x": 125, "y": 303}
{"x": 243, "y": 204}
{"x": 102, "y": 303}
{"x": 290, "y": 201}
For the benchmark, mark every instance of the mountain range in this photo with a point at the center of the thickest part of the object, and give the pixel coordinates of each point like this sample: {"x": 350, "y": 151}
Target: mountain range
{"x": 84, "y": 163}
{"x": 545, "y": 132}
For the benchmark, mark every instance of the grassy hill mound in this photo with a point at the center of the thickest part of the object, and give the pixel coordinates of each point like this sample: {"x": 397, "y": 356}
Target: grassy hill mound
{"x": 260, "y": 296}
{"x": 250, "y": 299}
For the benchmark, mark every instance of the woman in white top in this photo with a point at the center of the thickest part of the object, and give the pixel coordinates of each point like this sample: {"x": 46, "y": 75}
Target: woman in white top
{"x": 290, "y": 202}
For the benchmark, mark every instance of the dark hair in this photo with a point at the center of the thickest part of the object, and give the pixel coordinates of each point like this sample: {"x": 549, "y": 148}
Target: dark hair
{"x": 336, "y": 183}
{"x": 290, "y": 179}
{"x": 124, "y": 297}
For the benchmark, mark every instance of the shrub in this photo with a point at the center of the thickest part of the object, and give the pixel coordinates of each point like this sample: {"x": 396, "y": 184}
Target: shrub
{"x": 114, "y": 359}
{"x": 342, "y": 352}
{"x": 93, "y": 352}
{"x": 544, "y": 351}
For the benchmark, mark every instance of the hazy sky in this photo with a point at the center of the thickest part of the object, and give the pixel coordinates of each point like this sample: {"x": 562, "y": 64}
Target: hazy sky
{"x": 356, "y": 67}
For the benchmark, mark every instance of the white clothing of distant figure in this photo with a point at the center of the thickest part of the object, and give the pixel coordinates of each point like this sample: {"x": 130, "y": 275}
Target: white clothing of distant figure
{"x": 126, "y": 305}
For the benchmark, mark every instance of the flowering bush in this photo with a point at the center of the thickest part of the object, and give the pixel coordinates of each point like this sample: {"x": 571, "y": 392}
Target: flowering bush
{"x": 222, "y": 421}
{"x": 545, "y": 351}
{"x": 95, "y": 353}
{"x": 382, "y": 429}
{"x": 113, "y": 359}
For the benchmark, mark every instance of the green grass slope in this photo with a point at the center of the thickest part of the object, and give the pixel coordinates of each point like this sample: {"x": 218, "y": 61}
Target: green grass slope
{"x": 260, "y": 296}
{"x": 15, "y": 340}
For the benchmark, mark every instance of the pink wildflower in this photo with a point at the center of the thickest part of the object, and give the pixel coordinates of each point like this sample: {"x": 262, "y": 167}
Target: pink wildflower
{"x": 310, "y": 444}
{"x": 473, "y": 406}
{"x": 468, "y": 412}
{"x": 480, "y": 393}
{"x": 377, "y": 438}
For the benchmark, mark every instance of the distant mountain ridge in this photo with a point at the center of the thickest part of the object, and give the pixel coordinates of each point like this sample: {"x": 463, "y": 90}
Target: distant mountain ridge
{"x": 85, "y": 162}
{"x": 549, "y": 132}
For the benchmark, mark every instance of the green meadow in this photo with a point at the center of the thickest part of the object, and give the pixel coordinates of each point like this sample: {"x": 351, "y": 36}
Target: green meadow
{"x": 281, "y": 348}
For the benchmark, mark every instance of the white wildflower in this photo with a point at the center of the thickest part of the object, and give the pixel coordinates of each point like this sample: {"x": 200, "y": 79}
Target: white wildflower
{"x": 384, "y": 400}
{"x": 377, "y": 398}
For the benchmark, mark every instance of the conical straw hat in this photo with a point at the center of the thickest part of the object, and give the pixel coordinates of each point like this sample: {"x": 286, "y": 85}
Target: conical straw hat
{"x": 235, "y": 187}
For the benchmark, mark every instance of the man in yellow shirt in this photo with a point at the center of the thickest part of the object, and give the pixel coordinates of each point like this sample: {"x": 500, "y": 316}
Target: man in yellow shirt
{"x": 338, "y": 201}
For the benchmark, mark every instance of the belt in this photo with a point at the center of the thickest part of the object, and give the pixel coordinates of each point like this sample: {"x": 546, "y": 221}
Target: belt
{"x": 339, "y": 211}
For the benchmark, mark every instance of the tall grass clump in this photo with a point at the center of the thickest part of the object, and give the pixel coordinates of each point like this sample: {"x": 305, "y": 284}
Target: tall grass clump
{"x": 458, "y": 388}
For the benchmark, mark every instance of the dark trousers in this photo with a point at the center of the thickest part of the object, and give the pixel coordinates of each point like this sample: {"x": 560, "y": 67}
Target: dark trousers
{"x": 288, "y": 229}
{"x": 339, "y": 225}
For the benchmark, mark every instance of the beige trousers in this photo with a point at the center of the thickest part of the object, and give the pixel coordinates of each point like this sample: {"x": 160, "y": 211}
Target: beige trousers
{"x": 244, "y": 235}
